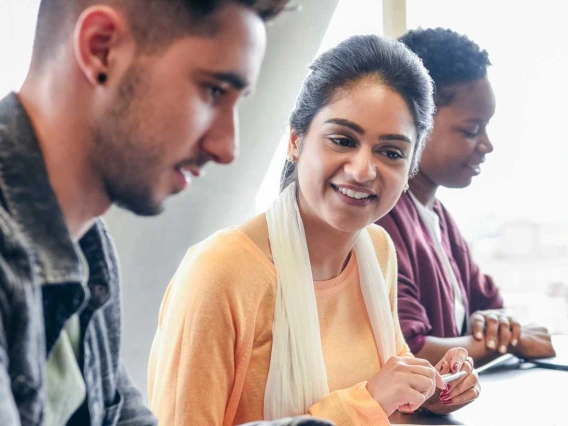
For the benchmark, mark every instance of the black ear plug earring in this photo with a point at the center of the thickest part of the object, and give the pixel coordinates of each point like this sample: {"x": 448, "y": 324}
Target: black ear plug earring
{"x": 102, "y": 78}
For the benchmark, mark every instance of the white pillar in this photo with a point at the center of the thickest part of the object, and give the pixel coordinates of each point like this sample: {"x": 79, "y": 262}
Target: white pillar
{"x": 394, "y": 18}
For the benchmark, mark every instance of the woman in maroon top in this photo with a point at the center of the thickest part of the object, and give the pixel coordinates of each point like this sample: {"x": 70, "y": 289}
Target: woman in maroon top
{"x": 444, "y": 300}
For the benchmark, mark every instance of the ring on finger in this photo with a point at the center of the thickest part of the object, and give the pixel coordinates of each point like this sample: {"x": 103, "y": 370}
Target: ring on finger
{"x": 476, "y": 392}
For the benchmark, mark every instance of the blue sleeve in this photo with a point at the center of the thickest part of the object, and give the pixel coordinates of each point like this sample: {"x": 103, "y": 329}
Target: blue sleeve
{"x": 133, "y": 412}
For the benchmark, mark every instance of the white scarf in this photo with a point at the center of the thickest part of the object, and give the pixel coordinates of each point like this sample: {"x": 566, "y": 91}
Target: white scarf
{"x": 297, "y": 378}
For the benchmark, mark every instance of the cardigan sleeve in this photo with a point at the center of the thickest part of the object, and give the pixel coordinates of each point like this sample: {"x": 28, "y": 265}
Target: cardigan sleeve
{"x": 204, "y": 324}
{"x": 351, "y": 407}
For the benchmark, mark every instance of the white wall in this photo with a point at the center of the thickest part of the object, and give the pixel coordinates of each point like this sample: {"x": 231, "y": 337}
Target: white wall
{"x": 151, "y": 248}
{"x": 17, "y": 26}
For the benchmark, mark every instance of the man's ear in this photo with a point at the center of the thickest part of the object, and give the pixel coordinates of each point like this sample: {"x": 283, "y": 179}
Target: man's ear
{"x": 99, "y": 32}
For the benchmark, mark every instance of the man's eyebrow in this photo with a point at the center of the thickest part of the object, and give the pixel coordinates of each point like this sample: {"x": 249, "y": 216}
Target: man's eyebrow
{"x": 233, "y": 79}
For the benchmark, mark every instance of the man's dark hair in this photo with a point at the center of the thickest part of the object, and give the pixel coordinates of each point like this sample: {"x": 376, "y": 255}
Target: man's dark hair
{"x": 154, "y": 23}
{"x": 449, "y": 57}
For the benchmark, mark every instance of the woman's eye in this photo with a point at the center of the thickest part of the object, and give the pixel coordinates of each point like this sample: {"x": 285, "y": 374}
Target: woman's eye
{"x": 470, "y": 134}
{"x": 394, "y": 155}
{"x": 343, "y": 142}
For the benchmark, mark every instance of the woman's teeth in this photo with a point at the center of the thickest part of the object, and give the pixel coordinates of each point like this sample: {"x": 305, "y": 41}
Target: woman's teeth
{"x": 353, "y": 194}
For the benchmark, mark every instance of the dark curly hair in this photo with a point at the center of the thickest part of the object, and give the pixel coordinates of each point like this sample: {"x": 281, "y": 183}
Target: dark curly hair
{"x": 351, "y": 61}
{"x": 449, "y": 57}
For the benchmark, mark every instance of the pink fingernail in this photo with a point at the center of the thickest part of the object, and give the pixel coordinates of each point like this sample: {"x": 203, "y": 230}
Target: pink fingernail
{"x": 457, "y": 367}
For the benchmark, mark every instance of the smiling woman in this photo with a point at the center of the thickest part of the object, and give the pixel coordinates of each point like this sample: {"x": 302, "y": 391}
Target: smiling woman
{"x": 445, "y": 300}
{"x": 512, "y": 214}
{"x": 351, "y": 17}
{"x": 355, "y": 158}
{"x": 294, "y": 312}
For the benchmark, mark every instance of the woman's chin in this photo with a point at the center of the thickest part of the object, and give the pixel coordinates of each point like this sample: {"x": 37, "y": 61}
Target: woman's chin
{"x": 349, "y": 227}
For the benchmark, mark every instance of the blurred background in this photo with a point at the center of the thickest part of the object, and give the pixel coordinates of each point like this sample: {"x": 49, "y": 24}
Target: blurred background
{"x": 514, "y": 214}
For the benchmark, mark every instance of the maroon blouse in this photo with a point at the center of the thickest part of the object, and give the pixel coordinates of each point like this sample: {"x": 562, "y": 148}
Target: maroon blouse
{"x": 425, "y": 294}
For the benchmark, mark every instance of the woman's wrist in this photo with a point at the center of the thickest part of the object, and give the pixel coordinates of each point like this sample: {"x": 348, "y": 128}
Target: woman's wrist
{"x": 419, "y": 410}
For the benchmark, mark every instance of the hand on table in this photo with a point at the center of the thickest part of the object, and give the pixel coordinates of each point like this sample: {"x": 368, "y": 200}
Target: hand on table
{"x": 534, "y": 342}
{"x": 498, "y": 329}
{"x": 503, "y": 333}
{"x": 404, "y": 383}
{"x": 461, "y": 391}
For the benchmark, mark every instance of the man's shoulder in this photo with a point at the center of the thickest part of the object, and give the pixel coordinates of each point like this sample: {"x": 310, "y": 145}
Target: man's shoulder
{"x": 15, "y": 265}
{"x": 11, "y": 242}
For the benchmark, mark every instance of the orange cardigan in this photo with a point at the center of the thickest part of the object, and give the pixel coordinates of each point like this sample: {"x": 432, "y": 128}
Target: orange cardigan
{"x": 211, "y": 353}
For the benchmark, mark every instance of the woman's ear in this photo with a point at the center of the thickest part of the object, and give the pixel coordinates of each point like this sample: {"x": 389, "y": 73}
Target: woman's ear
{"x": 294, "y": 145}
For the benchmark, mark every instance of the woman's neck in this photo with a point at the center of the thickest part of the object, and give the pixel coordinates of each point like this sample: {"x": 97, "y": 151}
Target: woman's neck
{"x": 329, "y": 248}
{"x": 423, "y": 189}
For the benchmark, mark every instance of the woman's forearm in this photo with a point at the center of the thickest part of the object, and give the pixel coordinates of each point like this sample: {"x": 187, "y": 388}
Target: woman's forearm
{"x": 435, "y": 348}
